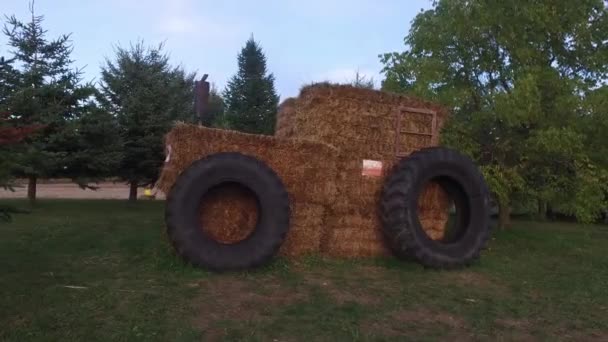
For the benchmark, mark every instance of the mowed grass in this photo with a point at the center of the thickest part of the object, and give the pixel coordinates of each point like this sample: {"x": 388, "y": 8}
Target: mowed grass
{"x": 102, "y": 270}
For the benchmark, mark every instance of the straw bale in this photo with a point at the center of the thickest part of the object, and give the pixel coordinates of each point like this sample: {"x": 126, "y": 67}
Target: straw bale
{"x": 356, "y": 190}
{"x": 433, "y": 210}
{"x": 306, "y": 229}
{"x": 354, "y": 236}
{"x": 284, "y": 126}
{"x": 361, "y": 194}
{"x": 306, "y": 168}
{"x": 361, "y": 121}
{"x": 228, "y": 213}
{"x": 322, "y": 138}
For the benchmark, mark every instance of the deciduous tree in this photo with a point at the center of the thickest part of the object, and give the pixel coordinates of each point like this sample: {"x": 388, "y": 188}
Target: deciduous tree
{"x": 516, "y": 74}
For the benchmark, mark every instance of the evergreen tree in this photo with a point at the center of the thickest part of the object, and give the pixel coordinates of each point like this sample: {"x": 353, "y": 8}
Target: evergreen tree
{"x": 147, "y": 95}
{"x": 9, "y": 135}
{"x": 8, "y": 82}
{"x": 251, "y": 99}
{"x": 94, "y": 145}
{"x": 42, "y": 89}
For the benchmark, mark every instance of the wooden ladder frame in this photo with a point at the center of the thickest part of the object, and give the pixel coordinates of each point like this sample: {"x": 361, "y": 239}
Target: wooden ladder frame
{"x": 398, "y": 130}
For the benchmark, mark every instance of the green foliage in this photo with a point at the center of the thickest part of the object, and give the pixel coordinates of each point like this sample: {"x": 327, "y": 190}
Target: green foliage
{"x": 595, "y": 125}
{"x": 146, "y": 95}
{"x": 94, "y": 145}
{"x": 8, "y": 81}
{"x": 39, "y": 87}
{"x": 522, "y": 80}
{"x": 250, "y": 96}
{"x": 7, "y": 74}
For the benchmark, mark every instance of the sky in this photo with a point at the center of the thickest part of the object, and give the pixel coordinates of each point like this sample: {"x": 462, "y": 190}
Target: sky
{"x": 304, "y": 40}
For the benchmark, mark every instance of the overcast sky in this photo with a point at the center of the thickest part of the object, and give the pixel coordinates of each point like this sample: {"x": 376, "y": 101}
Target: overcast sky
{"x": 304, "y": 41}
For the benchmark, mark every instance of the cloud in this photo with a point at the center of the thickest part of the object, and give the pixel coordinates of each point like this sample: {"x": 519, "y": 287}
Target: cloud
{"x": 177, "y": 24}
{"x": 184, "y": 17}
{"x": 334, "y": 9}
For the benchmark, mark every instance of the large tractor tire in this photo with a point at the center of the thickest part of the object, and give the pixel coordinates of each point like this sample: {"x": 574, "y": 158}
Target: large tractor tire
{"x": 464, "y": 184}
{"x": 183, "y": 213}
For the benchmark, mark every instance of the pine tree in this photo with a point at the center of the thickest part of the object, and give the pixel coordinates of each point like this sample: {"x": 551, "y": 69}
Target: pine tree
{"x": 147, "y": 95}
{"x": 8, "y": 81}
{"x": 9, "y": 135}
{"x": 94, "y": 145}
{"x": 43, "y": 90}
{"x": 251, "y": 98}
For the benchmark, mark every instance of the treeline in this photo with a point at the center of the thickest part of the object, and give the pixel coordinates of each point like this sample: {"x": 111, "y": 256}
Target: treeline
{"x": 527, "y": 82}
{"x": 114, "y": 128}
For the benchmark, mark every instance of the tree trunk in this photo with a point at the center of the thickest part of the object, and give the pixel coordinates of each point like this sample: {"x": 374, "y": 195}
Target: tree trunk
{"x": 31, "y": 189}
{"x": 542, "y": 210}
{"x": 504, "y": 215}
{"x": 133, "y": 192}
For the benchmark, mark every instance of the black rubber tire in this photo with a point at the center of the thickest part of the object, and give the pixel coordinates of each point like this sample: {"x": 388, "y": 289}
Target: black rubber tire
{"x": 183, "y": 221}
{"x": 464, "y": 183}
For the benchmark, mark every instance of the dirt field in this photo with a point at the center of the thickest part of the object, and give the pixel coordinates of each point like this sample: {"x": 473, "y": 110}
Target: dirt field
{"x": 67, "y": 190}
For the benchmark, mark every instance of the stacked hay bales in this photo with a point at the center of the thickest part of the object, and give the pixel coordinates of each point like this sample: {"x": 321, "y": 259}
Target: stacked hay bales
{"x": 285, "y": 124}
{"x": 228, "y": 213}
{"x": 322, "y": 139}
{"x": 308, "y": 170}
{"x": 362, "y": 124}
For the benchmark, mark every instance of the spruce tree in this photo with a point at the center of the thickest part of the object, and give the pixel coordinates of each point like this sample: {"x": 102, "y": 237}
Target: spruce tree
{"x": 146, "y": 95}
{"x": 8, "y": 81}
{"x": 9, "y": 136}
{"x": 42, "y": 89}
{"x": 250, "y": 96}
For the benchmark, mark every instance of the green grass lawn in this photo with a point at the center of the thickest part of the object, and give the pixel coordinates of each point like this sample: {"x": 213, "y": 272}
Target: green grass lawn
{"x": 102, "y": 271}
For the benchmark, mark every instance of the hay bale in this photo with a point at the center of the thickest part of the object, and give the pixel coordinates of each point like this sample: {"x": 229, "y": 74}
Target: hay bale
{"x": 433, "y": 213}
{"x": 353, "y": 236}
{"x": 229, "y": 213}
{"x": 306, "y": 168}
{"x": 360, "y": 195}
{"x": 362, "y": 122}
{"x": 355, "y": 190}
{"x": 307, "y": 229}
{"x": 356, "y": 231}
{"x": 284, "y": 126}
{"x": 322, "y": 138}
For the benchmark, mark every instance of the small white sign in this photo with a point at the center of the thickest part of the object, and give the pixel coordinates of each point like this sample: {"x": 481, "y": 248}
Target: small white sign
{"x": 372, "y": 168}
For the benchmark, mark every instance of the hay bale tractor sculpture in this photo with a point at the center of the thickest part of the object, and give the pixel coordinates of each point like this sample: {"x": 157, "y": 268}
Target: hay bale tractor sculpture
{"x": 349, "y": 173}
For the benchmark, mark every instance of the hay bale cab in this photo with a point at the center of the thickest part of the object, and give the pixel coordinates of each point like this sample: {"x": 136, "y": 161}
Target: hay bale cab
{"x": 350, "y": 173}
